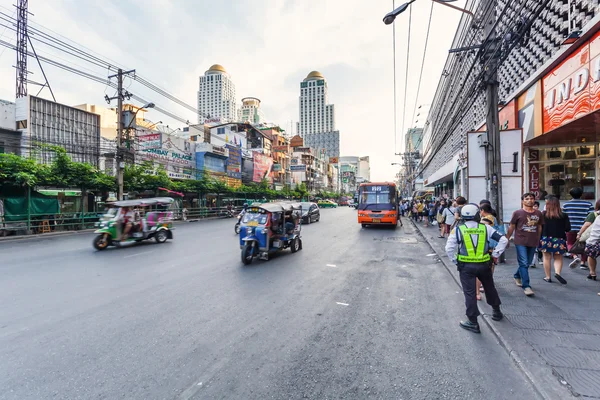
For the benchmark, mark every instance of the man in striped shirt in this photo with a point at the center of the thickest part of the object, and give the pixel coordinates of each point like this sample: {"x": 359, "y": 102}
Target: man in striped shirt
{"x": 577, "y": 210}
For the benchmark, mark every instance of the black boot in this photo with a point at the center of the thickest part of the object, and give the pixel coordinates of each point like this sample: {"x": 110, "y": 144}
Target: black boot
{"x": 497, "y": 315}
{"x": 470, "y": 326}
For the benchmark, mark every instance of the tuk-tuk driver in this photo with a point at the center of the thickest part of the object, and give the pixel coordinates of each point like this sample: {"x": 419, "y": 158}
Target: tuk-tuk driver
{"x": 126, "y": 218}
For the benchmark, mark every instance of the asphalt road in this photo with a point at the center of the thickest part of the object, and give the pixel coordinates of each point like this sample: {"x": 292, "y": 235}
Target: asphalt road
{"x": 358, "y": 313}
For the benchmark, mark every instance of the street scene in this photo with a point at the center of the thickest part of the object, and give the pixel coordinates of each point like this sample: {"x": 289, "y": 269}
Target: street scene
{"x": 307, "y": 199}
{"x": 357, "y": 313}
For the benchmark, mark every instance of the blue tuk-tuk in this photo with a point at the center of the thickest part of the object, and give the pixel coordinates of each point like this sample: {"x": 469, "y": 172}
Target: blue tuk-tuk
{"x": 268, "y": 228}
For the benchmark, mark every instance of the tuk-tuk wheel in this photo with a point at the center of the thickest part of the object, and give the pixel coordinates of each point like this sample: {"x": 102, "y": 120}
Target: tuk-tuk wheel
{"x": 364, "y": 225}
{"x": 161, "y": 236}
{"x": 247, "y": 255}
{"x": 296, "y": 245}
{"x": 101, "y": 241}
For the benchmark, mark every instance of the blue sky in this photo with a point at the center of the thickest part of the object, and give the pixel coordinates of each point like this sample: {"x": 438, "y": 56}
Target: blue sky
{"x": 268, "y": 47}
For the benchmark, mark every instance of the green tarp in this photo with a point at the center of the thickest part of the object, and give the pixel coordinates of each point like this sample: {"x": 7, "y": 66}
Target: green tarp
{"x": 15, "y": 208}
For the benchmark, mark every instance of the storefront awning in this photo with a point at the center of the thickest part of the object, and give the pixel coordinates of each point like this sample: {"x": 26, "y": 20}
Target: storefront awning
{"x": 584, "y": 129}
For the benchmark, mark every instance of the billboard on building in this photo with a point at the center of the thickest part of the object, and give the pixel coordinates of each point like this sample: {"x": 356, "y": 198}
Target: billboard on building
{"x": 148, "y": 139}
{"x": 234, "y": 162}
{"x": 572, "y": 89}
{"x": 262, "y": 167}
{"x": 175, "y": 155}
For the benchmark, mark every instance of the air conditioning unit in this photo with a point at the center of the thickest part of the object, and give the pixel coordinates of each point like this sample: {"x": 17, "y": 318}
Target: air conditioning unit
{"x": 482, "y": 140}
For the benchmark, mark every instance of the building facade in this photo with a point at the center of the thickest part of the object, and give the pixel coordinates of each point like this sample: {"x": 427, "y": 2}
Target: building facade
{"x": 10, "y": 138}
{"x": 45, "y": 123}
{"x": 216, "y": 95}
{"x": 250, "y": 111}
{"x": 548, "y": 101}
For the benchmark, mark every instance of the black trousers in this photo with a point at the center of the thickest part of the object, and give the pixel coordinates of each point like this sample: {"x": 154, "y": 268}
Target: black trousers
{"x": 468, "y": 272}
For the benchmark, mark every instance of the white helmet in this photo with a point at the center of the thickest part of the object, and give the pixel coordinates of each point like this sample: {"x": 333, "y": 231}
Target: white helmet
{"x": 469, "y": 211}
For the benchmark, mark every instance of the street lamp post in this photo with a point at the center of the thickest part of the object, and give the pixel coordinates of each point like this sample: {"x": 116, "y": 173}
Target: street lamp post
{"x": 120, "y": 151}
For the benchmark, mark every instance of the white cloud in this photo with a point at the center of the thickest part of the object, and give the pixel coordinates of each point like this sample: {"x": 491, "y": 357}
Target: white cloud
{"x": 268, "y": 47}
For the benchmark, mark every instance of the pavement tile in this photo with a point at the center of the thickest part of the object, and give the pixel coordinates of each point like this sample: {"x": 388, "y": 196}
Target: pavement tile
{"x": 549, "y": 324}
{"x": 584, "y": 382}
{"x": 569, "y": 340}
{"x": 570, "y": 358}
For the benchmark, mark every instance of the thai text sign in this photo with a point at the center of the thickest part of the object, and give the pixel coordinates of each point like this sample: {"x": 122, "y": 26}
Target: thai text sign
{"x": 281, "y": 149}
{"x": 300, "y": 167}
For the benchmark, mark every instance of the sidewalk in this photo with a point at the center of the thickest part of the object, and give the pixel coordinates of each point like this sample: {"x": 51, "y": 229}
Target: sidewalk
{"x": 553, "y": 336}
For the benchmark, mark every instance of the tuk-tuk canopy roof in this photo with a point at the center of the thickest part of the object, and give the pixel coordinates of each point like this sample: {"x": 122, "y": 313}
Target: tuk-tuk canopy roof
{"x": 280, "y": 206}
{"x": 143, "y": 202}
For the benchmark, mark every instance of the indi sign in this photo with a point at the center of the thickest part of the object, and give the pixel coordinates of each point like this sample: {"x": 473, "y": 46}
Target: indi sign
{"x": 572, "y": 89}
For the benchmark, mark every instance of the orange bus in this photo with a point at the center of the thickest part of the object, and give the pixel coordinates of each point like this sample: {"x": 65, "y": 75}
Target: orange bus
{"x": 378, "y": 204}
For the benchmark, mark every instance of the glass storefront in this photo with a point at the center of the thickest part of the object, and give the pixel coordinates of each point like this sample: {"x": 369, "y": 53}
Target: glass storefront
{"x": 556, "y": 170}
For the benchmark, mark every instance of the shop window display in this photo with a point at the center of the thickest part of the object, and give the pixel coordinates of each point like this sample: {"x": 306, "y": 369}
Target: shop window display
{"x": 560, "y": 169}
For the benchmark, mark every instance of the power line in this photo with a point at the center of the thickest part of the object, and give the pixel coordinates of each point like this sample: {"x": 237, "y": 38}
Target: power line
{"x": 67, "y": 48}
{"x": 423, "y": 63}
{"x": 407, "y": 68}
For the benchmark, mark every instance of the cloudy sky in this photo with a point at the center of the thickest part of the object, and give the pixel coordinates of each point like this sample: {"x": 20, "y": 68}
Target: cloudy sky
{"x": 268, "y": 47}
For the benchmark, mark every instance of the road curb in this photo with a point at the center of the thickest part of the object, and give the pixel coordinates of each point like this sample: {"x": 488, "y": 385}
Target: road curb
{"x": 537, "y": 380}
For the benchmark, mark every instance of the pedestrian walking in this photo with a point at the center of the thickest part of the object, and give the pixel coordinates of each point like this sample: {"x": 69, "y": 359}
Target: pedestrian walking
{"x": 526, "y": 224}
{"x": 441, "y": 220}
{"x": 577, "y": 210}
{"x": 589, "y": 221}
{"x": 537, "y": 257}
{"x": 449, "y": 215}
{"x": 415, "y": 212}
{"x": 420, "y": 210}
{"x": 553, "y": 243}
{"x": 592, "y": 246}
{"x": 468, "y": 248}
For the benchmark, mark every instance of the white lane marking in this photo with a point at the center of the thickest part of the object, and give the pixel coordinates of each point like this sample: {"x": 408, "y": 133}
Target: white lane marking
{"x": 138, "y": 254}
{"x": 342, "y": 304}
{"x": 402, "y": 299}
{"x": 431, "y": 255}
{"x": 332, "y": 265}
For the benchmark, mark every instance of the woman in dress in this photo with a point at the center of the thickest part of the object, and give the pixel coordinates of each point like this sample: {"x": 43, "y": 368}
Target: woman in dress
{"x": 553, "y": 243}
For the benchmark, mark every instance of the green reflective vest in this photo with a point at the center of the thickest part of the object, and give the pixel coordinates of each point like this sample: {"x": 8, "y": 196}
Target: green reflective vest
{"x": 467, "y": 252}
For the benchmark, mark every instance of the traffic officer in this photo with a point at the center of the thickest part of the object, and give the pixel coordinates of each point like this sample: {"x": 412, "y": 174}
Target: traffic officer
{"x": 468, "y": 248}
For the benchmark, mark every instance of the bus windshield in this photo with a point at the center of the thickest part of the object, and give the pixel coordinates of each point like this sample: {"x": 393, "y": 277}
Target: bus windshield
{"x": 380, "y": 197}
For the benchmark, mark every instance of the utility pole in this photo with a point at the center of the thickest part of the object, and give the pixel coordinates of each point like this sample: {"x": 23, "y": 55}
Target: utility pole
{"x": 21, "y": 67}
{"x": 120, "y": 154}
{"x": 493, "y": 155}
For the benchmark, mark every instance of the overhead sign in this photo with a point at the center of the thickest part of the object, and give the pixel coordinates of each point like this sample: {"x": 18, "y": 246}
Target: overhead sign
{"x": 281, "y": 149}
{"x": 301, "y": 167}
{"x": 303, "y": 150}
{"x": 276, "y": 167}
{"x": 334, "y": 160}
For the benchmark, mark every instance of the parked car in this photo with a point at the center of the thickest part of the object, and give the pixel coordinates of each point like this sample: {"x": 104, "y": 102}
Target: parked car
{"x": 327, "y": 204}
{"x": 310, "y": 213}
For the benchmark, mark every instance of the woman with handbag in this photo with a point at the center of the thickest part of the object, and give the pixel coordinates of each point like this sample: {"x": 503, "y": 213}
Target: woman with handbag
{"x": 553, "y": 243}
{"x": 584, "y": 234}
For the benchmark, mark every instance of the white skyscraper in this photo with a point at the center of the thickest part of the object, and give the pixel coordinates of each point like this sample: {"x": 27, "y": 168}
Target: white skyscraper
{"x": 216, "y": 95}
{"x": 317, "y": 118}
